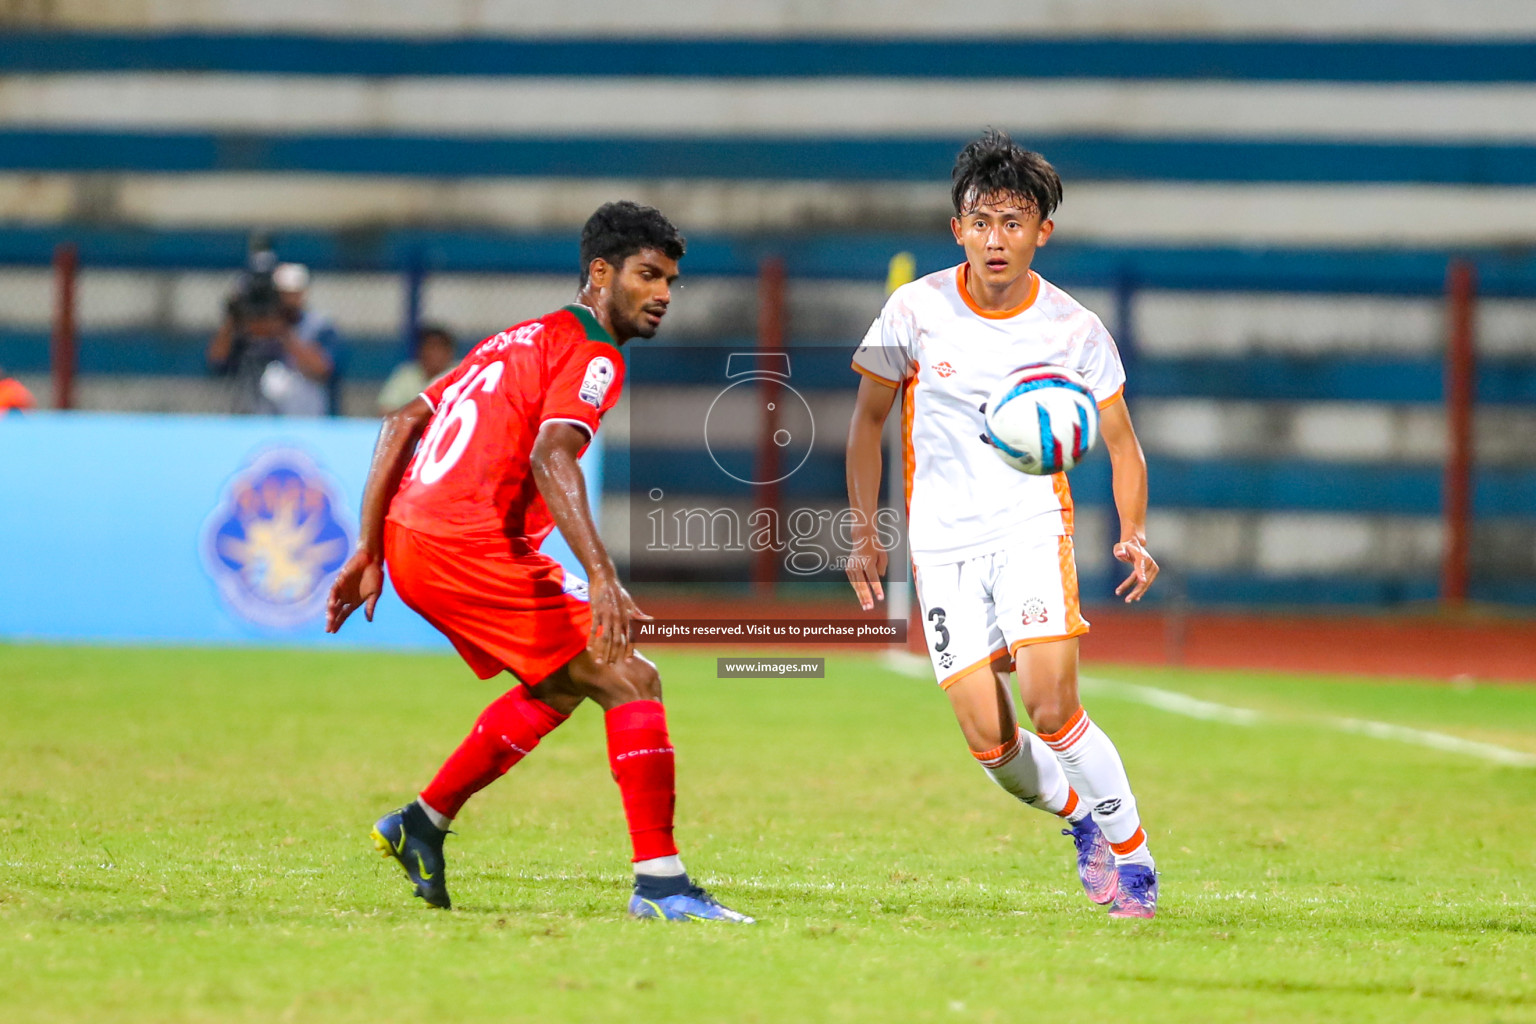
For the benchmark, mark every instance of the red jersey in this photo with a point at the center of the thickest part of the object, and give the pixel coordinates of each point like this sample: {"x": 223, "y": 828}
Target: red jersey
{"x": 471, "y": 476}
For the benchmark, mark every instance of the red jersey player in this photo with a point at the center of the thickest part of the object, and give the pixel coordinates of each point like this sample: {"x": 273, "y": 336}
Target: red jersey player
{"x": 466, "y": 482}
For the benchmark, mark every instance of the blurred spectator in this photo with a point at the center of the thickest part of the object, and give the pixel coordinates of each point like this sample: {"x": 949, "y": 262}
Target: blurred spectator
{"x": 14, "y": 397}
{"x": 434, "y": 357}
{"x": 280, "y": 354}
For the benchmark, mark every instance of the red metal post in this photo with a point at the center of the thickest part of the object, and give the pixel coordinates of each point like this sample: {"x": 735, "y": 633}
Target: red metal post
{"x": 1460, "y": 403}
{"x": 66, "y": 262}
{"x": 770, "y": 338}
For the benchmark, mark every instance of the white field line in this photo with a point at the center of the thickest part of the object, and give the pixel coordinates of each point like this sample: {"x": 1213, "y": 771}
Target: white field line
{"x": 1181, "y": 704}
{"x": 1168, "y": 700}
{"x": 1210, "y": 711}
{"x": 908, "y": 664}
{"x": 1436, "y": 741}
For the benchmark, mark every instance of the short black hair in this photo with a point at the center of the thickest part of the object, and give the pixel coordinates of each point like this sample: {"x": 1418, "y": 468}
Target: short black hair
{"x": 426, "y": 331}
{"x": 619, "y": 230}
{"x": 995, "y": 165}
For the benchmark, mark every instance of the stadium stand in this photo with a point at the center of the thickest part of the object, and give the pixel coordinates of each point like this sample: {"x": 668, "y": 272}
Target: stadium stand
{"x": 1261, "y": 204}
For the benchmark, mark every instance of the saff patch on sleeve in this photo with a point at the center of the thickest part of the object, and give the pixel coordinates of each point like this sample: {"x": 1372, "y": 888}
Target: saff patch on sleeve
{"x": 599, "y": 377}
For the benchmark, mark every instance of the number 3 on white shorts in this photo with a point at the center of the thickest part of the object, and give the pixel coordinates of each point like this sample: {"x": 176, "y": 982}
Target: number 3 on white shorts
{"x": 458, "y": 407}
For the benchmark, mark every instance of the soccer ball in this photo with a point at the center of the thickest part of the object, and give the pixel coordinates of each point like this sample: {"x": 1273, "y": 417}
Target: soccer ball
{"x": 1042, "y": 419}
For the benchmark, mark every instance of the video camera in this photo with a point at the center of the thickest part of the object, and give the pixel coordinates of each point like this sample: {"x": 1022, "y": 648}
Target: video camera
{"x": 255, "y": 295}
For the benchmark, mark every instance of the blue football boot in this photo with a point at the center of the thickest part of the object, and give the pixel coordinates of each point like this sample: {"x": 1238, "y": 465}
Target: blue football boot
{"x": 1095, "y": 861}
{"x": 409, "y": 836}
{"x": 1138, "y": 892}
{"x": 692, "y": 904}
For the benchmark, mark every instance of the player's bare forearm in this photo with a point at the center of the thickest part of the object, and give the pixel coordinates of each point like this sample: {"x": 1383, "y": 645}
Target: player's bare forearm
{"x": 392, "y": 453}
{"x": 360, "y": 580}
{"x": 557, "y": 472}
{"x": 1128, "y": 478}
{"x": 871, "y": 408}
{"x": 868, "y": 560}
{"x": 1128, "y": 470}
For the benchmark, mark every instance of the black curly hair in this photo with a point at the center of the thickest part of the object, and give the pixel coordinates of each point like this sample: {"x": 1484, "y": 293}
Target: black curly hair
{"x": 616, "y": 231}
{"x": 994, "y": 165}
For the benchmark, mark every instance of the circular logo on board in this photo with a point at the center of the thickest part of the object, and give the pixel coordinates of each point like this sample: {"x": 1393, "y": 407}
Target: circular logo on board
{"x": 276, "y": 539}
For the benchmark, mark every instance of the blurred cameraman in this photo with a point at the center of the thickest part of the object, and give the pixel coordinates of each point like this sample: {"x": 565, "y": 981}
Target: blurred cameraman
{"x": 279, "y": 354}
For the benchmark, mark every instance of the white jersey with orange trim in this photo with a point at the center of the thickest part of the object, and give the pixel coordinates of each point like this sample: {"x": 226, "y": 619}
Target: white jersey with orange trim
{"x": 948, "y": 355}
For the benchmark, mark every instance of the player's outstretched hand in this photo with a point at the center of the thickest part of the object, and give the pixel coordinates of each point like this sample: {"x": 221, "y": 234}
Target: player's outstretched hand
{"x": 358, "y": 584}
{"x": 865, "y": 567}
{"x": 612, "y": 610}
{"x": 1143, "y": 569}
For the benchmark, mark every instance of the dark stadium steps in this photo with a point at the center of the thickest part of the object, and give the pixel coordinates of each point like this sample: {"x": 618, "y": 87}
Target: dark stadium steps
{"x": 1244, "y": 378}
{"x": 1190, "y": 57}
{"x": 1502, "y": 272}
{"x": 1274, "y": 378}
{"x": 146, "y": 352}
{"x": 762, "y": 157}
{"x": 1247, "y": 378}
{"x": 1274, "y": 485}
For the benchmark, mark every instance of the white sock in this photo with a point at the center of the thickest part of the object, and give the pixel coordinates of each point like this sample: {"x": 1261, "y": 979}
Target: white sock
{"x": 433, "y": 815}
{"x": 666, "y": 867}
{"x": 1093, "y": 766}
{"x": 1026, "y": 768}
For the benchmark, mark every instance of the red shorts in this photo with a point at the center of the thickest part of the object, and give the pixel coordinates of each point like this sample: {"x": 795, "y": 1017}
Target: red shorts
{"x": 500, "y": 608}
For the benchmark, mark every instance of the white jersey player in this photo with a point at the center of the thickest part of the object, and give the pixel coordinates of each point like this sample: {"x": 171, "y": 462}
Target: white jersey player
{"x": 992, "y": 547}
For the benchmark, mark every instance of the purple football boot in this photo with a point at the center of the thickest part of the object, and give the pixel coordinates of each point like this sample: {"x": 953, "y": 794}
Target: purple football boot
{"x": 1095, "y": 861}
{"x": 1138, "y": 892}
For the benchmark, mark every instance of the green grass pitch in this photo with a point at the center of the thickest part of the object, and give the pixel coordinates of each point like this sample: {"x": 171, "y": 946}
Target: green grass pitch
{"x": 185, "y": 838}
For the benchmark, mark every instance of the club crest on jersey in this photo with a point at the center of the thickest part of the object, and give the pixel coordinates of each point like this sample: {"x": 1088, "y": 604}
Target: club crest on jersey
{"x": 276, "y": 539}
{"x": 594, "y": 386}
{"x": 1035, "y": 612}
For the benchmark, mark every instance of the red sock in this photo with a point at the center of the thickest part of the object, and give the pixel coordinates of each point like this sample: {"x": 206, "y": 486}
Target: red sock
{"x": 503, "y": 735}
{"x": 640, "y": 755}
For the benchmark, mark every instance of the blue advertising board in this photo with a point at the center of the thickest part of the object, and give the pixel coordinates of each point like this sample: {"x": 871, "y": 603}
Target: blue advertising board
{"x": 192, "y": 529}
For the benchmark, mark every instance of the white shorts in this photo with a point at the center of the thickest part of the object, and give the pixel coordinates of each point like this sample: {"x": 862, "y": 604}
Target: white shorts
{"x": 982, "y": 610}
